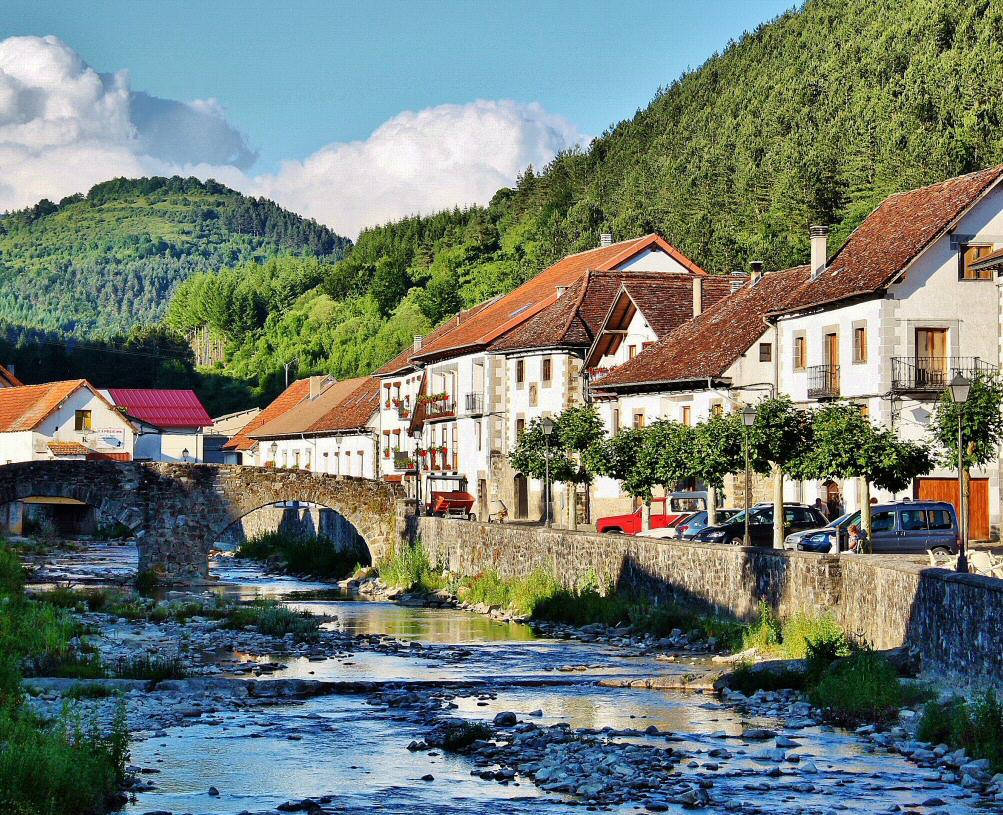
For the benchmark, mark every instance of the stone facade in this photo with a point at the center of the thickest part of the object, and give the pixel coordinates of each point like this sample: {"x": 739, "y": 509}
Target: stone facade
{"x": 177, "y": 511}
{"x": 954, "y": 621}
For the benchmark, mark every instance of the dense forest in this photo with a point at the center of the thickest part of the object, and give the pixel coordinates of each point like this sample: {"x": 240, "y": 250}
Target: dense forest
{"x": 812, "y": 118}
{"x": 103, "y": 263}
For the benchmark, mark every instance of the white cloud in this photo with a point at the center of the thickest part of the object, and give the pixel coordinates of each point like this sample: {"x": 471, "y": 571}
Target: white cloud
{"x": 65, "y": 127}
{"x": 420, "y": 162}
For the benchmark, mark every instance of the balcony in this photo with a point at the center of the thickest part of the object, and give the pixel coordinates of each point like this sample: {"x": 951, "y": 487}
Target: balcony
{"x": 403, "y": 460}
{"x": 474, "y": 403}
{"x": 403, "y": 411}
{"x": 823, "y": 382}
{"x": 440, "y": 408}
{"x": 934, "y": 374}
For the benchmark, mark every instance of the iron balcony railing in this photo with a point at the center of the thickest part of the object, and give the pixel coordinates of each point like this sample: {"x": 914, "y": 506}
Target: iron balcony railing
{"x": 823, "y": 381}
{"x": 910, "y": 374}
{"x": 439, "y": 408}
{"x": 474, "y": 403}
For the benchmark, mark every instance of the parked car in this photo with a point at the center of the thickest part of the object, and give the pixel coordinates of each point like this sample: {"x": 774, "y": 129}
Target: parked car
{"x": 663, "y": 512}
{"x": 898, "y": 527}
{"x": 688, "y": 528}
{"x": 671, "y": 531}
{"x": 796, "y": 517}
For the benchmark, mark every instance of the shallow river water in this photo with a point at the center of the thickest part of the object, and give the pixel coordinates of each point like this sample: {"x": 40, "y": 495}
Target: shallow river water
{"x": 339, "y": 746}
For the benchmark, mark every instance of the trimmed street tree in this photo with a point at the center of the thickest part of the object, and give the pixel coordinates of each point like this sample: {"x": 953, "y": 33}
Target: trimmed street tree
{"x": 846, "y": 444}
{"x": 981, "y": 428}
{"x": 778, "y": 442}
{"x": 717, "y": 451}
{"x": 576, "y": 431}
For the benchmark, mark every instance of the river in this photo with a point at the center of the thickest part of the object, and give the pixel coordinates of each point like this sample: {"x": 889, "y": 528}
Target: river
{"x": 351, "y": 755}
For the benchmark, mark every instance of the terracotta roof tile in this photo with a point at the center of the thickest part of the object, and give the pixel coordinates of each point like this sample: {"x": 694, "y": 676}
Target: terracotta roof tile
{"x": 68, "y": 448}
{"x": 504, "y": 314}
{"x": 706, "y": 346}
{"x": 901, "y": 227}
{"x": 304, "y": 413}
{"x": 354, "y": 411}
{"x": 25, "y": 407}
{"x": 285, "y": 401}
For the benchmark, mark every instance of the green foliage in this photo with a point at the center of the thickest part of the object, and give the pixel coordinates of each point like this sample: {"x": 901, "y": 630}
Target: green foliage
{"x": 314, "y": 555}
{"x": 408, "y": 568}
{"x": 567, "y": 451}
{"x": 747, "y": 680}
{"x": 766, "y": 634}
{"x": 268, "y": 617}
{"x": 976, "y": 726}
{"x": 864, "y": 687}
{"x": 153, "y": 667}
{"x": 718, "y": 448}
{"x": 981, "y": 423}
{"x": 781, "y": 436}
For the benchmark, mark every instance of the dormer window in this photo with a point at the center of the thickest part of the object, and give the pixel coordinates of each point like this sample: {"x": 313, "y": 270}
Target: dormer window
{"x": 968, "y": 253}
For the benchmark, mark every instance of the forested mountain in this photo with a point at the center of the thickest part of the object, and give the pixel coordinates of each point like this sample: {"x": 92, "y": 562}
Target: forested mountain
{"x": 102, "y": 263}
{"x": 812, "y": 118}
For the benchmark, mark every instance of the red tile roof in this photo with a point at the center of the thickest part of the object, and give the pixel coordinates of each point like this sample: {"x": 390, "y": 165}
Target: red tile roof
{"x": 162, "y": 408}
{"x": 502, "y": 315}
{"x": 27, "y": 406}
{"x": 901, "y": 227}
{"x": 303, "y": 416}
{"x": 285, "y": 401}
{"x": 354, "y": 411}
{"x": 706, "y": 346}
{"x": 68, "y": 448}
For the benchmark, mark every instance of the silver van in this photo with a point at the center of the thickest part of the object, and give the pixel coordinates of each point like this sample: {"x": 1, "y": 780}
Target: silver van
{"x": 900, "y": 527}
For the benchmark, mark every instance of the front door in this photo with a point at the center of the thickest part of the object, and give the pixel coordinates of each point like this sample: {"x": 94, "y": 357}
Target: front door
{"x": 521, "y": 496}
{"x": 931, "y": 357}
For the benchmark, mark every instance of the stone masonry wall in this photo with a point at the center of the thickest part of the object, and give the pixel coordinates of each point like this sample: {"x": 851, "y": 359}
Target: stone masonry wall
{"x": 954, "y": 621}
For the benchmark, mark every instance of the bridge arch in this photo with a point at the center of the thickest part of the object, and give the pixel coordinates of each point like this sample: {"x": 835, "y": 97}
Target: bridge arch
{"x": 177, "y": 511}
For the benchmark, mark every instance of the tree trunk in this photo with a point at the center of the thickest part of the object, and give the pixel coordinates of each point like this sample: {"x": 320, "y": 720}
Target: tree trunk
{"x": 778, "y": 507}
{"x": 865, "y": 509}
{"x": 646, "y": 516}
{"x": 572, "y": 506}
{"x": 711, "y": 506}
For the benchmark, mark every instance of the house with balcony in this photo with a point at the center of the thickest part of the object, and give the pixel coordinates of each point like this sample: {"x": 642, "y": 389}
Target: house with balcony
{"x": 720, "y": 360}
{"x": 887, "y": 320}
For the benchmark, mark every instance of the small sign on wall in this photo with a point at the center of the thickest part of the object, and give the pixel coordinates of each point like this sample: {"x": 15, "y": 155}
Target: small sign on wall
{"x": 110, "y": 436}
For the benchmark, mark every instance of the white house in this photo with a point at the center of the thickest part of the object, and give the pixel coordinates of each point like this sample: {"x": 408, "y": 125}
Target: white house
{"x": 68, "y": 419}
{"x": 170, "y": 422}
{"x": 893, "y": 315}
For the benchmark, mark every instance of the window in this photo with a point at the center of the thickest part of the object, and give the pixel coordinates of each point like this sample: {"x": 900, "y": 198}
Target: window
{"x": 546, "y": 369}
{"x": 860, "y": 344}
{"x": 883, "y": 521}
{"x": 800, "y": 354}
{"x": 631, "y": 351}
{"x": 533, "y": 395}
{"x": 968, "y": 254}
{"x": 616, "y": 421}
{"x": 865, "y": 411}
{"x": 765, "y": 352}
{"x": 912, "y": 519}
{"x": 686, "y": 414}
{"x": 520, "y": 426}
{"x": 477, "y": 432}
{"x": 520, "y": 372}
{"x": 639, "y": 420}
{"x": 717, "y": 409}
{"x": 82, "y": 420}
{"x": 939, "y": 519}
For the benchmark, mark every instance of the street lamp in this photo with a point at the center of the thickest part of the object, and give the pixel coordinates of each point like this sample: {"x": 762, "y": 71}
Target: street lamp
{"x": 960, "y": 388}
{"x": 184, "y": 454}
{"x": 547, "y": 426}
{"x": 275, "y": 453}
{"x": 748, "y": 420}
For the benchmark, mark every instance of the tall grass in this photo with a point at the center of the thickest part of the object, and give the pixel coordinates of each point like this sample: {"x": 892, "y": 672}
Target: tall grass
{"x": 977, "y": 726}
{"x": 318, "y": 556}
{"x": 409, "y": 568}
{"x": 795, "y": 637}
{"x": 62, "y": 768}
{"x": 268, "y": 617}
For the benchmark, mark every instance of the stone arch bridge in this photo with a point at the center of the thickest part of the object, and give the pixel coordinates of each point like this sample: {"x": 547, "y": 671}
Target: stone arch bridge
{"x": 177, "y": 511}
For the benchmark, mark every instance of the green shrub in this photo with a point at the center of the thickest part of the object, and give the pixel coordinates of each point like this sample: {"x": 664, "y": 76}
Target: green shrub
{"x": 408, "y": 568}
{"x": 113, "y": 531}
{"x": 271, "y": 618}
{"x": 487, "y": 588}
{"x": 68, "y": 597}
{"x": 91, "y": 690}
{"x": 314, "y": 555}
{"x": 766, "y": 633}
{"x": 748, "y": 681}
{"x": 863, "y": 687}
{"x": 147, "y": 581}
{"x": 805, "y": 630}
{"x": 976, "y": 726}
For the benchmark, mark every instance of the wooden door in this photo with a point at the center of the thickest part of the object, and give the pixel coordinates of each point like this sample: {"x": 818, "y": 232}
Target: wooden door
{"x": 946, "y": 489}
{"x": 832, "y": 350}
{"x": 931, "y": 356}
{"x": 521, "y": 496}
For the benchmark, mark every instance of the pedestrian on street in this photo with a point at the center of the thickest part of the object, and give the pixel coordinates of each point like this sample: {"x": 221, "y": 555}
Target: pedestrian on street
{"x": 821, "y": 506}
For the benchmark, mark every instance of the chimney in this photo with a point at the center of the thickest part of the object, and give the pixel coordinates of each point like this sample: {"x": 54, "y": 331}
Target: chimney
{"x": 819, "y": 249}
{"x": 316, "y": 385}
{"x": 755, "y": 271}
{"x": 605, "y": 239}
{"x": 737, "y": 281}
{"x": 417, "y": 341}
{"x": 697, "y": 295}
{"x": 561, "y": 290}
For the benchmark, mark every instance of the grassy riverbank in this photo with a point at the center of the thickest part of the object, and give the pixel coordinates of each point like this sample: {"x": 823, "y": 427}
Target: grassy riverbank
{"x": 976, "y": 726}
{"x": 65, "y": 767}
{"x": 314, "y": 555}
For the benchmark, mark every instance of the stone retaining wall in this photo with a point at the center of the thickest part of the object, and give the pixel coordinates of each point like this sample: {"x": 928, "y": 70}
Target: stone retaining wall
{"x": 954, "y": 621}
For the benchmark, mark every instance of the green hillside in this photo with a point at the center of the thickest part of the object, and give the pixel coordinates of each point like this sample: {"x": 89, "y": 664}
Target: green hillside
{"x": 103, "y": 263}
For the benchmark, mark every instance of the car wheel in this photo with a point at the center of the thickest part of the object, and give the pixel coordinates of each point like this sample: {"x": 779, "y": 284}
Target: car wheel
{"x": 737, "y": 542}
{"x": 613, "y": 531}
{"x": 941, "y": 550}
{"x": 472, "y": 516}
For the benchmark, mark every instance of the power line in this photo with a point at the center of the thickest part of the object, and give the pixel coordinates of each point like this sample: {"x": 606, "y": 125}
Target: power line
{"x": 83, "y": 346}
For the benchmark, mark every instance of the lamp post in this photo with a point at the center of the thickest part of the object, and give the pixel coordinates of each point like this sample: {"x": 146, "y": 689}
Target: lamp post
{"x": 748, "y": 420}
{"x": 184, "y": 455}
{"x": 275, "y": 454}
{"x": 960, "y": 388}
{"x": 547, "y": 426}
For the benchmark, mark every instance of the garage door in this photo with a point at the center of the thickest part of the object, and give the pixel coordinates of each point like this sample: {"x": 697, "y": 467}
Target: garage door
{"x": 946, "y": 489}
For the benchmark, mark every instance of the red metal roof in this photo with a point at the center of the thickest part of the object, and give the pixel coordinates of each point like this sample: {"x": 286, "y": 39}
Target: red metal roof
{"x": 162, "y": 408}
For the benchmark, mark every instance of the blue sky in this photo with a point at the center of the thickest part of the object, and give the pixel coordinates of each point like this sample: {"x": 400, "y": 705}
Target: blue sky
{"x": 295, "y": 77}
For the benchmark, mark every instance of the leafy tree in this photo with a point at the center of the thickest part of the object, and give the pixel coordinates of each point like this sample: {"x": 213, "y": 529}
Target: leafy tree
{"x": 778, "y": 443}
{"x": 718, "y": 450}
{"x": 846, "y": 444}
{"x": 981, "y": 420}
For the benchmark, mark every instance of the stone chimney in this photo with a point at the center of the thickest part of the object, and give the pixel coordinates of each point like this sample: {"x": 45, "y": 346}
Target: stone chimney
{"x": 697, "y": 295}
{"x": 755, "y": 271}
{"x": 317, "y": 385}
{"x": 819, "y": 249}
{"x": 605, "y": 239}
{"x": 417, "y": 342}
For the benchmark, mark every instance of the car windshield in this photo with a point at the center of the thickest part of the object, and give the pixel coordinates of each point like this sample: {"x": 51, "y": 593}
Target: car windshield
{"x": 757, "y": 515}
{"x": 846, "y": 519}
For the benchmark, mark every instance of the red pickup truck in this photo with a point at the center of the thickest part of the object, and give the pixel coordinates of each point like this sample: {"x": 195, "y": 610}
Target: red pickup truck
{"x": 663, "y": 512}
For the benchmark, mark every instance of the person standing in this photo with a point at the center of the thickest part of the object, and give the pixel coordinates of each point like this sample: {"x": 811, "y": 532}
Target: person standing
{"x": 821, "y": 506}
